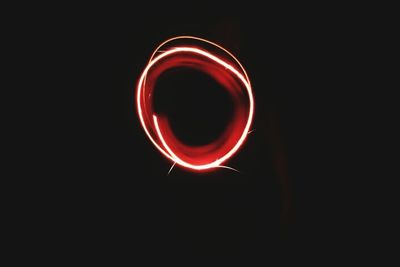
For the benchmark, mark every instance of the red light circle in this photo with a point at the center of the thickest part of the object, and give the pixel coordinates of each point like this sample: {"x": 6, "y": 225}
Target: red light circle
{"x": 227, "y": 71}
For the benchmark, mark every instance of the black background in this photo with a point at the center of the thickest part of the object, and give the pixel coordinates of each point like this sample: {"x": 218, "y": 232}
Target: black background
{"x": 114, "y": 197}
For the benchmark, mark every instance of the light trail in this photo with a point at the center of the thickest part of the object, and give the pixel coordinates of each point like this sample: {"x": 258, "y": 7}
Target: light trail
{"x": 208, "y": 157}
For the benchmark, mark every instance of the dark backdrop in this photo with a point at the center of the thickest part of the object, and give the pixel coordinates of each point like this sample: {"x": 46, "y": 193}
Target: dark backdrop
{"x": 117, "y": 198}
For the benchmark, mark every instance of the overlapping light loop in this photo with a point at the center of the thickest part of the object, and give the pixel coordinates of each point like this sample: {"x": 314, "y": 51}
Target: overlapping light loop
{"x": 227, "y": 71}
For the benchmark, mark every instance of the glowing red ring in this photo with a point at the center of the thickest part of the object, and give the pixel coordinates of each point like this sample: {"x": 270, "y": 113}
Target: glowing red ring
{"x": 161, "y": 144}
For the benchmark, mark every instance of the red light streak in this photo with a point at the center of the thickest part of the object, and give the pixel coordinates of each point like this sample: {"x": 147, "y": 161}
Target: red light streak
{"x": 229, "y": 73}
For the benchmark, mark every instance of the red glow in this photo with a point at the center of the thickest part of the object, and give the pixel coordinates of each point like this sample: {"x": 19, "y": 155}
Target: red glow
{"x": 227, "y": 71}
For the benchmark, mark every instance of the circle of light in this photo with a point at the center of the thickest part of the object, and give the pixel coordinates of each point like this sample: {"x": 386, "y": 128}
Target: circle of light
{"x": 167, "y": 151}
